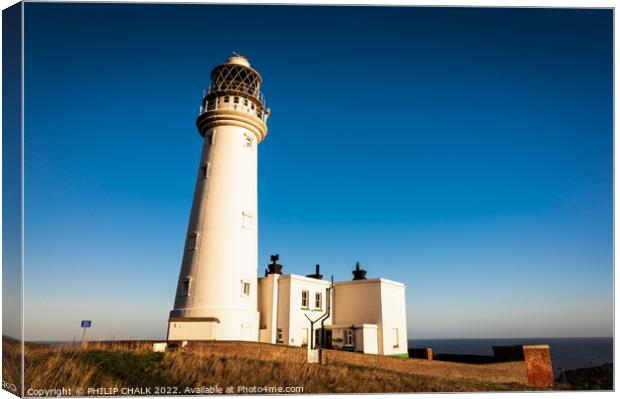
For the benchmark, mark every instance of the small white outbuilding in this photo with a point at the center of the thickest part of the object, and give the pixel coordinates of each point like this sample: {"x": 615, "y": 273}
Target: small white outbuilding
{"x": 362, "y": 315}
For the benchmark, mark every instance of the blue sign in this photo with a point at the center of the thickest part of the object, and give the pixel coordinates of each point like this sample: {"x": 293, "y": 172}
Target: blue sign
{"x": 86, "y": 323}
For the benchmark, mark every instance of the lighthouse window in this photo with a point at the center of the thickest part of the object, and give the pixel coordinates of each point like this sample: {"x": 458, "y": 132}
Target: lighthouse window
{"x": 236, "y": 100}
{"x": 245, "y": 102}
{"x": 185, "y": 286}
{"x": 248, "y": 140}
{"x": 252, "y": 106}
{"x": 279, "y": 336}
{"x": 318, "y": 300}
{"x": 204, "y": 170}
{"x": 304, "y": 299}
{"x": 191, "y": 242}
{"x": 226, "y": 99}
{"x": 245, "y": 288}
{"x": 247, "y": 221}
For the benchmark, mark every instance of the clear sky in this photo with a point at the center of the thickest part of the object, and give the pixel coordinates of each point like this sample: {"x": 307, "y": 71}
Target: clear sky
{"x": 464, "y": 152}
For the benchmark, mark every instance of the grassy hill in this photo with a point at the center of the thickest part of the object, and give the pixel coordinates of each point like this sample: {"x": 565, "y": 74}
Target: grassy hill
{"x": 244, "y": 366}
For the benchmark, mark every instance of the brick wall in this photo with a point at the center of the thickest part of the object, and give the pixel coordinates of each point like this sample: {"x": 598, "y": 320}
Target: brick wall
{"x": 538, "y": 365}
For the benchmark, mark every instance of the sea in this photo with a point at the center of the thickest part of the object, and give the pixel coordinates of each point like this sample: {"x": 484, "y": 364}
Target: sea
{"x": 566, "y": 353}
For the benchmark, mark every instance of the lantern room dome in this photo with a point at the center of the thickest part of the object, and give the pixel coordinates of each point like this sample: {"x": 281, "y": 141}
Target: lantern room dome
{"x": 237, "y": 59}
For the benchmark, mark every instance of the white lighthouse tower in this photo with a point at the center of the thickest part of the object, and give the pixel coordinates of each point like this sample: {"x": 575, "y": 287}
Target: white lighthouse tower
{"x": 216, "y": 295}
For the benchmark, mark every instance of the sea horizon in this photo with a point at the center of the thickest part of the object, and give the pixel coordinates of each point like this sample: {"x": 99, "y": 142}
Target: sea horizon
{"x": 567, "y": 353}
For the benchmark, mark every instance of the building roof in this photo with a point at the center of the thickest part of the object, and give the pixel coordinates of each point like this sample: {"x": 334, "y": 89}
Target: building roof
{"x": 378, "y": 280}
{"x": 298, "y": 277}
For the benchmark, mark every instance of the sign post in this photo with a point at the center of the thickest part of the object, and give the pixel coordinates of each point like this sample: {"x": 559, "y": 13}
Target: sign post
{"x": 85, "y": 324}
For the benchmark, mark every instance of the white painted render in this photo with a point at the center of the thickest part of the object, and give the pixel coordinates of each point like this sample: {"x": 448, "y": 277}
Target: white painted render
{"x": 218, "y": 276}
{"x": 290, "y": 314}
{"x": 268, "y": 308}
{"x": 394, "y": 317}
{"x": 369, "y": 340}
{"x": 374, "y": 301}
{"x": 372, "y": 310}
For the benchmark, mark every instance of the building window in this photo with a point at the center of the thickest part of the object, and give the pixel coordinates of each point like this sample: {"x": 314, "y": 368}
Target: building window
{"x": 348, "y": 337}
{"x": 279, "y": 336}
{"x": 395, "y": 335}
{"x": 318, "y": 300}
{"x": 191, "y": 242}
{"x": 304, "y": 299}
{"x": 245, "y": 288}
{"x": 236, "y": 100}
{"x": 247, "y": 220}
{"x": 226, "y": 99}
{"x": 185, "y": 285}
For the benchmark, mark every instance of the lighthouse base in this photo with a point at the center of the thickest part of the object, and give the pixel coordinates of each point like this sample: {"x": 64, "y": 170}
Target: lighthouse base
{"x": 220, "y": 325}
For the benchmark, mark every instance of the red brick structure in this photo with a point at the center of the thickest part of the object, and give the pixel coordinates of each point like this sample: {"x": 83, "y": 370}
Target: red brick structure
{"x": 538, "y": 365}
{"x": 536, "y": 361}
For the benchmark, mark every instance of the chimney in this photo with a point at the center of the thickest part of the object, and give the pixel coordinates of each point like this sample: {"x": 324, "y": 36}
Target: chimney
{"x": 274, "y": 267}
{"x": 359, "y": 274}
{"x": 317, "y": 274}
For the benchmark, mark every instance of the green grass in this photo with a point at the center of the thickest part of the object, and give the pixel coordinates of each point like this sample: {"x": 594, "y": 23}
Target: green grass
{"x": 140, "y": 369}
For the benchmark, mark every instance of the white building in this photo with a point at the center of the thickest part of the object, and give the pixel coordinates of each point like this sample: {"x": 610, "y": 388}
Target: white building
{"x": 219, "y": 295}
{"x": 362, "y": 315}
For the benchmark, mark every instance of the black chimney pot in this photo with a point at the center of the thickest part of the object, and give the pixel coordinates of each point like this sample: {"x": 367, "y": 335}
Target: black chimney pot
{"x": 274, "y": 267}
{"x": 359, "y": 274}
{"x": 317, "y": 274}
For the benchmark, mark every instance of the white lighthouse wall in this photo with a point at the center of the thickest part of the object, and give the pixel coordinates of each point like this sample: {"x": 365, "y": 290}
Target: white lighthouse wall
{"x": 224, "y": 221}
{"x": 192, "y": 330}
{"x": 228, "y": 243}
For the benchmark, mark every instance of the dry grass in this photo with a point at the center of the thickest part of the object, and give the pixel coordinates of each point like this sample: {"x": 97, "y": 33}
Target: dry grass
{"x": 250, "y": 364}
{"x": 342, "y": 371}
{"x": 11, "y": 364}
{"x": 508, "y": 372}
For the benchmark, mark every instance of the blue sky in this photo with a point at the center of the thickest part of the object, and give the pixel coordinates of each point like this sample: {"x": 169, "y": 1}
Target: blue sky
{"x": 464, "y": 152}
